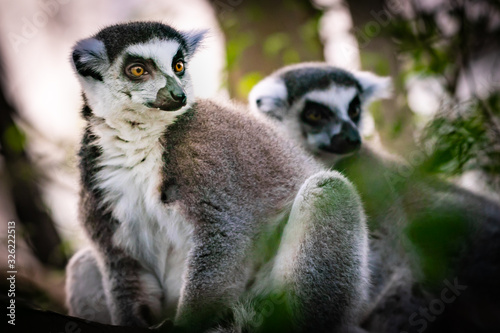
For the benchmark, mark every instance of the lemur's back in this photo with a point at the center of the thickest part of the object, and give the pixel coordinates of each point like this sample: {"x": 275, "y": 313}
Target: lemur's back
{"x": 259, "y": 165}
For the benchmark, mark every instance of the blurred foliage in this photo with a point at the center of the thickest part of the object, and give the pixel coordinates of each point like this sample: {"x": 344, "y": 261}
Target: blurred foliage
{"x": 15, "y": 139}
{"x": 463, "y": 139}
{"x": 261, "y": 39}
{"x": 273, "y": 312}
{"x": 438, "y": 236}
{"x": 465, "y": 133}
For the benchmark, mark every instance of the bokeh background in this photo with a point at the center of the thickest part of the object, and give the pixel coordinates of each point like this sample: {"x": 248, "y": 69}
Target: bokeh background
{"x": 443, "y": 57}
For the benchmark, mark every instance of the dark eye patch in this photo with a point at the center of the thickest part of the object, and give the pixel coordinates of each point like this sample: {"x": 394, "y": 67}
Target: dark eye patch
{"x": 315, "y": 114}
{"x": 354, "y": 110}
{"x": 178, "y": 56}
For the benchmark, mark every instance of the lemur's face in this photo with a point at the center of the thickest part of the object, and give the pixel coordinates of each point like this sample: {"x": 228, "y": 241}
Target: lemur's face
{"x": 152, "y": 74}
{"x": 319, "y": 105}
{"x": 145, "y": 74}
{"x": 329, "y": 119}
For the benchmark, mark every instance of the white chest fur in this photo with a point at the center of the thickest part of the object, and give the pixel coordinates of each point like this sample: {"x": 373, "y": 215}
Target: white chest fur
{"x": 151, "y": 232}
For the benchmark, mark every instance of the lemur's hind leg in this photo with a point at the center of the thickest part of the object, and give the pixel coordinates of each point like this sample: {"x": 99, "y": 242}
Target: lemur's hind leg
{"x": 85, "y": 295}
{"x": 321, "y": 266}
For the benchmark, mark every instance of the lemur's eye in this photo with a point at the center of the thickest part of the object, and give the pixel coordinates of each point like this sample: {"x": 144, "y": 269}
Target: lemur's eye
{"x": 354, "y": 112}
{"x": 354, "y": 108}
{"x": 313, "y": 115}
{"x": 137, "y": 71}
{"x": 179, "y": 66}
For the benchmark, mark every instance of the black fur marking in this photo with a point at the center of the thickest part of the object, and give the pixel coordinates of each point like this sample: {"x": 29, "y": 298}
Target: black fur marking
{"x": 121, "y": 139}
{"x": 118, "y": 37}
{"x": 178, "y": 56}
{"x": 86, "y": 111}
{"x": 126, "y": 93}
{"x": 170, "y": 191}
{"x": 89, "y": 155}
{"x": 303, "y": 80}
{"x": 83, "y": 68}
{"x": 136, "y": 124}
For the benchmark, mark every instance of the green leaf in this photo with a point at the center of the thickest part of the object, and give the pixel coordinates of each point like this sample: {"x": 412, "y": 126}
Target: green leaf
{"x": 15, "y": 139}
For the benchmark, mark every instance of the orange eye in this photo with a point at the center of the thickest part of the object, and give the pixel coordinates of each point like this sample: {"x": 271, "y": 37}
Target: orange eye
{"x": 137, "y": 71}
{"x": 179, "y": 66}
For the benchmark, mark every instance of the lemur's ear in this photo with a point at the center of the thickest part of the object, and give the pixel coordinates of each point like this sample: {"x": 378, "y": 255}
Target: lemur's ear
{"x": 269, "y": 96}
{"x": 194, "y": 40}
{"x": 89, "y": 58}
{"x": 374, "y": 86}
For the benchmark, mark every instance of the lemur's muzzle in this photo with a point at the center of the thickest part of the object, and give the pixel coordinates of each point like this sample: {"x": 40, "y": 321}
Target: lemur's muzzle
{"x": 347, "y": 141}
{"x": 170, "y": 98}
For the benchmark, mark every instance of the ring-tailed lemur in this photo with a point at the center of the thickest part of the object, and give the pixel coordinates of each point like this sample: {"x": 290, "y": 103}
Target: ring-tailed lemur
{"x": 320, "y": 106}
{"x": 202, "y": 211}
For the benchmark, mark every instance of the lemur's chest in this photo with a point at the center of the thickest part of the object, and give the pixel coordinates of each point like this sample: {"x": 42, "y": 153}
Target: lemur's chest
{"x": 155, "y": 234}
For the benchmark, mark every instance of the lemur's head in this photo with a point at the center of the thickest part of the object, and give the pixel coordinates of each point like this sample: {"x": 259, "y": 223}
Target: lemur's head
{"x": 138, "y": 67}
{"x": 319, "y": 104}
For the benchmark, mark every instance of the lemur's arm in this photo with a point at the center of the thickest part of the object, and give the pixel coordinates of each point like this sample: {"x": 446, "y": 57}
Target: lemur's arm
{"x": 216, "y": 273}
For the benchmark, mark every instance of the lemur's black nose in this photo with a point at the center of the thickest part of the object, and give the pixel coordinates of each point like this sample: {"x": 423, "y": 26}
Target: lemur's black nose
{"x": 347, "y": 141}
{"x": 169, "y": 98}
{"x": 351, "y": 135}
{"x": 178, "y": 96}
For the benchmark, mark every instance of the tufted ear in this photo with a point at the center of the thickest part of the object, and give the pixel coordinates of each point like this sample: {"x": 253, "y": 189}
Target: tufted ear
{"x": 194, "y": 39}
{"x": 270, "y": 97}
{"x": 374, "y": 87}
{"x": 90, "y": 58}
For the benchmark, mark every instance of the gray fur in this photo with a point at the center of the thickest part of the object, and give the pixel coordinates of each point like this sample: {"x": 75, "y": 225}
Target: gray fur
{"x": 397, "y": 292}
{"x": 202, "y": 214}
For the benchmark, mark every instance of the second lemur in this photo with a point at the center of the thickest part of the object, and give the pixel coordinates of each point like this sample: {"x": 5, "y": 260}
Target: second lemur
{"x": 426, "y": 234}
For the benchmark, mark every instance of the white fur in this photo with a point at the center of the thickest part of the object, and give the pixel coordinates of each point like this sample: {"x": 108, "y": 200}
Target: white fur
{"x": 293, "y": 235}
{"x": 156, "y": 235}
{"x": 375, "y": 87}
{"x": 316, "y": 140}
{"x": 269, "y": 90}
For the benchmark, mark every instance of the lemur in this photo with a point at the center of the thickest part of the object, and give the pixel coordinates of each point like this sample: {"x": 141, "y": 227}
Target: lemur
{"x": 198, "y": 210}
{"x": 320, "y": 107}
